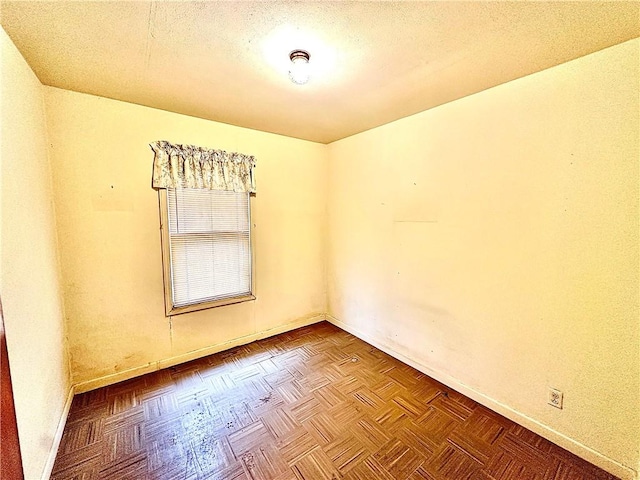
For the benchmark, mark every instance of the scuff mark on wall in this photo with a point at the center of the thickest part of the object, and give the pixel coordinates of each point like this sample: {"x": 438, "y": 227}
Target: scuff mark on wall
{"x": 171, "y": 332}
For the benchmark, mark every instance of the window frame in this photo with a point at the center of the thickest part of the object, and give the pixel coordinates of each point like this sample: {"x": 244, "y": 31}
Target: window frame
{"x": 169, "y": 307}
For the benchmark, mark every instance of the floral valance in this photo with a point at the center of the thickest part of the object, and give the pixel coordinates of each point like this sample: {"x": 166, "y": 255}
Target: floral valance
{"x": 188, "y": 166}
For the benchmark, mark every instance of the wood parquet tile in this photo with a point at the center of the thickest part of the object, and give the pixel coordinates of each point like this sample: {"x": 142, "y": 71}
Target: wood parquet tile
{"x": 316, "y": 403}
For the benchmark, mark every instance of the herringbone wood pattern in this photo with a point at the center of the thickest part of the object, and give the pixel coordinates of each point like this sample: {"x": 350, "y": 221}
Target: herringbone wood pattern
{"x": 316, "y": 403}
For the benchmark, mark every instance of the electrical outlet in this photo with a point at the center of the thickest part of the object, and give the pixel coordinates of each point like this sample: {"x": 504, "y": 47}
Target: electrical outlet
{"x": 555, "y": 398}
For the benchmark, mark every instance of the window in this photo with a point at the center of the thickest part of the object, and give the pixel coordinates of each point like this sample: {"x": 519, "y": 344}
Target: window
{"x": 206, "y": 245}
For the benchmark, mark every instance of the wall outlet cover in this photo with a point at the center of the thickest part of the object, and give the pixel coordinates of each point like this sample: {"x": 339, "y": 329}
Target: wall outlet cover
{"x": 555, "y": 398}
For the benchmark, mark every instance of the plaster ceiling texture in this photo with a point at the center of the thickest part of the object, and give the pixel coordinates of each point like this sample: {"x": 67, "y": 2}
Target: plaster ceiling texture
{"x": 371, "y": 62}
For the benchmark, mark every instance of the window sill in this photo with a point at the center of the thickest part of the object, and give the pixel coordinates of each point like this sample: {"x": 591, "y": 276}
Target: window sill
{"x": 205, "y": 305}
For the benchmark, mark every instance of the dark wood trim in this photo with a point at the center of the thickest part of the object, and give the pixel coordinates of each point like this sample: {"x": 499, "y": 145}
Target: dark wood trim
{"x": 10, "y": 458}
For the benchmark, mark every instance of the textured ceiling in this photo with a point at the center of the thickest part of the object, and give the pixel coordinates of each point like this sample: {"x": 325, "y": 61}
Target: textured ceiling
{"x": 374, "y": 62}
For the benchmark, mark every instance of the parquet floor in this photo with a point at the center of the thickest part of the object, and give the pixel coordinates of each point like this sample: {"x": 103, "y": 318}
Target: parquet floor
{"x": 316, "y": 403}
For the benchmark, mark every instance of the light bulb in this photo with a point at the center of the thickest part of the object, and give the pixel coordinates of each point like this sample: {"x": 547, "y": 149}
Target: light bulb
{"x": 299, "y": 70}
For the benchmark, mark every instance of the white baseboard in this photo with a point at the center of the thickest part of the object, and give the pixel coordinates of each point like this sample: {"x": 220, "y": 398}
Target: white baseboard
{"x": 194, "y": 354}
{"x": 575, "y": 447}
{"x": 51, "y": 459}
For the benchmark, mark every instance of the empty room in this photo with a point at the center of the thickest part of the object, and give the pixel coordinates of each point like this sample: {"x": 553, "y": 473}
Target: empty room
{"x": 290, "y": 240}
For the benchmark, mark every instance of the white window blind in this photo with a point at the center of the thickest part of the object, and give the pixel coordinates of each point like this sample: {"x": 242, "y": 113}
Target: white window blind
{"x": 210, "y": 245}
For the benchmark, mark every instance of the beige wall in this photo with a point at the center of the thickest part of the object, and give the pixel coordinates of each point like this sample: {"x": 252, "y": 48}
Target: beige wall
{"x": 108, "y": 226}
{"x": 30, "y": 286}
{"x": 494, "y": 242}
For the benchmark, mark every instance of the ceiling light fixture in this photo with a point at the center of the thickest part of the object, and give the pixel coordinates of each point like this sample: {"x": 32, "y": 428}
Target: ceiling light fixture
{"x": 299, "y": 69}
